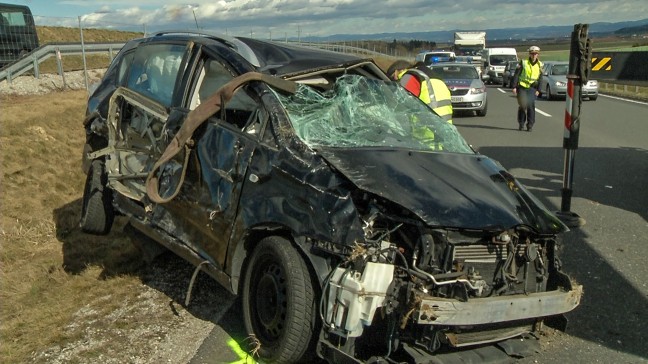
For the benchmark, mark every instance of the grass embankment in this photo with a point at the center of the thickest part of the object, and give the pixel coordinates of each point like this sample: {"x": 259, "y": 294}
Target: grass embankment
{"x": 49, "y": 270}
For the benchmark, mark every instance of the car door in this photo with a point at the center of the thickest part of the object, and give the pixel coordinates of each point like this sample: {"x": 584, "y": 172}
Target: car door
{"x": 204, "y": 211}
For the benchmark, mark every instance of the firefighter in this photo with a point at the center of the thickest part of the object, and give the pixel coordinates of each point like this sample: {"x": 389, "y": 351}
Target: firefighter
{"x": 526, "y": 81}
{"x": 418, "y": 80}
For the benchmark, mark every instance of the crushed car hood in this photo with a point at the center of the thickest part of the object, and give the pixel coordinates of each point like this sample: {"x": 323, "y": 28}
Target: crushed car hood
{"x": 446, "y": 189}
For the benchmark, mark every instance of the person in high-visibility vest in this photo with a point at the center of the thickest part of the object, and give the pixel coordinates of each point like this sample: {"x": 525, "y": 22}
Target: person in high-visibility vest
{"x": 419, "y": 80}
{"x": 526, "y": 81}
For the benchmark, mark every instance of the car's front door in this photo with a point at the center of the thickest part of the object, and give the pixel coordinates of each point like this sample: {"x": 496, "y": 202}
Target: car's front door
{"x": 207, "y": 205}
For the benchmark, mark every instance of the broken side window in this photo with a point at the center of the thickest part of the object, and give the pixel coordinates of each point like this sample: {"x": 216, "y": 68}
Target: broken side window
{"x": 362, "y": 112}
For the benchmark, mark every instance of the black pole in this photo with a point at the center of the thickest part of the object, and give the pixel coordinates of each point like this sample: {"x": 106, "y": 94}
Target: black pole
{"x": 579, "y": 68}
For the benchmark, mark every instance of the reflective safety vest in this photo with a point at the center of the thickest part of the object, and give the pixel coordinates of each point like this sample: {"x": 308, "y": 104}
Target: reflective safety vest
{"x": 434, "y": 92}
{"x": 529, "y": 73}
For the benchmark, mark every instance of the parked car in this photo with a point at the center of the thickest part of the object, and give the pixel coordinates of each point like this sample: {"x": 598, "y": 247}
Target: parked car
{"x": 554, "y": 82}
{"x": 467, "y": 90}
{"x": 355, "y": 223}
{"x": 509, "y": 72}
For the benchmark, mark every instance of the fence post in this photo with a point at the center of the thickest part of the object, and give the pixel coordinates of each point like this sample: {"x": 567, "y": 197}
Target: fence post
{"x": 35, "y": 65}
{"x": 85, "y": 66}
{"x": 59, "y": 64}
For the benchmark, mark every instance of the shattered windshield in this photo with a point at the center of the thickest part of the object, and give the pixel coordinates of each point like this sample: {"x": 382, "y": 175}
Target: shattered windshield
{"x": 362, "y": 112}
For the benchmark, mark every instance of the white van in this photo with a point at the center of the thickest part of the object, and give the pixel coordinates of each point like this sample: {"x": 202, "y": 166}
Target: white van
{"x": 495, "y": 60}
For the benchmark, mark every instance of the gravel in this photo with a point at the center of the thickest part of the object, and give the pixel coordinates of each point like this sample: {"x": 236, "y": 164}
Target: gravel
{"x": 29, "y": 85}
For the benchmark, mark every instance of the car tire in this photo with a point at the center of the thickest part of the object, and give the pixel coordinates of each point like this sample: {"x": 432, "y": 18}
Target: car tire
{"x": 278, "y": 302}
{"x": 483, "y": 111}
{"x": 97, "y": 213}
{"x": 548, "y": 93}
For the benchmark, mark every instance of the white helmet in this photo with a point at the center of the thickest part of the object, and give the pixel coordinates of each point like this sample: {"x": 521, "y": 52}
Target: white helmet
{"x": 534, "y": 49}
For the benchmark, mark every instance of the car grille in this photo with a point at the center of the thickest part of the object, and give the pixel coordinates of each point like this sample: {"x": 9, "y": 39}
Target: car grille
{"x": 459, "y": 92}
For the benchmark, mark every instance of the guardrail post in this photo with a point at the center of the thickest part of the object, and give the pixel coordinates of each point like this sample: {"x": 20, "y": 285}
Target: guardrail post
{"x": 36, "y": 70}
{"x": 59, "y": 63}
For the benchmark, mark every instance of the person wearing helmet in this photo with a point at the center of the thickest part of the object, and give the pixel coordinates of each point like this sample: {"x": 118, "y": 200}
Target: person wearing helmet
{"x": 526, "y": 81}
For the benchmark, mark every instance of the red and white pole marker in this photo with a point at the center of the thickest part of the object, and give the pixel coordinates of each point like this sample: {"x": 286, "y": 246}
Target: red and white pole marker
{"x": 568, "y": 107}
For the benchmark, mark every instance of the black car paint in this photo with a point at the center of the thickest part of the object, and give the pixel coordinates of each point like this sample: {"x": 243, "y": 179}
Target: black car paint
{"x": 447, "y": 190}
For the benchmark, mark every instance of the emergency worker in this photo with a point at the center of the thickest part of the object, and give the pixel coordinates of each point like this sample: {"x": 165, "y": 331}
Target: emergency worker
{"x": 418, "y": 80}
{"x": 526, "y": 81}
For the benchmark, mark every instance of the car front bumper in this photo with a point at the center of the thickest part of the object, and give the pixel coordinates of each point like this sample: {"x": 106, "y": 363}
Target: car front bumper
{"x": 468, "y": 101}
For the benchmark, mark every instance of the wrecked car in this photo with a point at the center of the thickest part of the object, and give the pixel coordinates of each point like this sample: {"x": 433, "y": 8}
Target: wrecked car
{"x": 355, "y": 223}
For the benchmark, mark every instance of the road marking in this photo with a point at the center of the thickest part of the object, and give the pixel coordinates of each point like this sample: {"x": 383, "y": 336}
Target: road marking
{"x": 537, "y": 110}
{"x": 542, "y": 112}
{"x": 622, "y": 99}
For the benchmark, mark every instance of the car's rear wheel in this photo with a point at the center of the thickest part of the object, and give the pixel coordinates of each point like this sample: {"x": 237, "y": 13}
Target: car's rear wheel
{"x": 278, "y": 302}
{"x": 97, "y": 214}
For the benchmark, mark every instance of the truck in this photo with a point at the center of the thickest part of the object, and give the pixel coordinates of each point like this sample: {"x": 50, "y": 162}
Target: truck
{"x": 495, "y": 59}
{"x": 17, "y": 33}
{"x": 469, "y": 43}
{"x": 468, "y": 47}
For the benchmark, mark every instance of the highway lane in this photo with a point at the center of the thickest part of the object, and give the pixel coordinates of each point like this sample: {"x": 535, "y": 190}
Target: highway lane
{"x": 610, "y": 191}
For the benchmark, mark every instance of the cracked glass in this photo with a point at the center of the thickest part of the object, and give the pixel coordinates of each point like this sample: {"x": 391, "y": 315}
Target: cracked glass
{"x": 360, "y": 112}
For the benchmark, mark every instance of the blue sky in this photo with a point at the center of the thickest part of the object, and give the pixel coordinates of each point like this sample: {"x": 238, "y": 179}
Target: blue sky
{"x": 263, "y": 18}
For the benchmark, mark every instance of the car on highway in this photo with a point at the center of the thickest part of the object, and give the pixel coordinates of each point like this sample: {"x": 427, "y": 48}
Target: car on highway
{"x": 467, "y": 90}
{"x": 509, "y": 72}
{"x": 553, "y": 84}
{"x": 430, "y": 57}
{"x": 355, "y": 224}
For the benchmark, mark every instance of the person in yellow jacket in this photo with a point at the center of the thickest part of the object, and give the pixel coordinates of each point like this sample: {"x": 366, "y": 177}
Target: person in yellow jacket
{"x": 418, "y": 80}
{"x": 526, "y": 81}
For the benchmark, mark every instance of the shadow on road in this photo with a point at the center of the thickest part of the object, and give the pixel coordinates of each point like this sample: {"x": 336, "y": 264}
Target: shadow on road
{"x": 612, "y": 312}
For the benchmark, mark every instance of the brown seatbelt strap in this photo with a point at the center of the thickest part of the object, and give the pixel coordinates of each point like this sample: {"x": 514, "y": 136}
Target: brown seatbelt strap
{"x": 198, "y": 116}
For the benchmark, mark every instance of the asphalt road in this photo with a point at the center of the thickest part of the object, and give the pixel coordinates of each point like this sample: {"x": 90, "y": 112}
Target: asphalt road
{"x": 607, "y": 255}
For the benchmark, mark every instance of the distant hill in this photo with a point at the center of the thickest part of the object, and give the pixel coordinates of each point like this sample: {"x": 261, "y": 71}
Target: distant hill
{"x": 542, "y": 32}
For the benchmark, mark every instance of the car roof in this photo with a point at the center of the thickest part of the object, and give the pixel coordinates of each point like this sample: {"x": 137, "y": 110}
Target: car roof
{"x": 276, "y": 58}
{"x": 452, "y": 64}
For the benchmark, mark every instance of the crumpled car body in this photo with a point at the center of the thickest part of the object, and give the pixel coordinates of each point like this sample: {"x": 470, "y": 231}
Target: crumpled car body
{"x": 355, "y": 223}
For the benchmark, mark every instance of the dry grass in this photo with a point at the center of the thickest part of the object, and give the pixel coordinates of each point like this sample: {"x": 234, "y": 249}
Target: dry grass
{"x": 47, "y": 265}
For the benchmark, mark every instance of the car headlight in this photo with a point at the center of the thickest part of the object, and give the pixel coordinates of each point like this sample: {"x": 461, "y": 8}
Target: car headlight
{"x": 561, "y": 84}
{"x": 477, "y": 90}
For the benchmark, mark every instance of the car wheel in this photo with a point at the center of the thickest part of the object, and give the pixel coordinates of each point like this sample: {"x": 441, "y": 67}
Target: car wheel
{"x": 483, "y": 111}
{"x": 97, "y": 214}
{"x": 278, "y": 302}
{"x": 548, "y": 93}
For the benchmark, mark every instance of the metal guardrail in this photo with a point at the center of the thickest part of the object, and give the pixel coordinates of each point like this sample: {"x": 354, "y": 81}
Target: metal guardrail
{"x": 33, "y": 59}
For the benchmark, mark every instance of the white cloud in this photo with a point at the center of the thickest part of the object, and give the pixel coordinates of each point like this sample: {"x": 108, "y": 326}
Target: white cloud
{"x": 326, "y": 17}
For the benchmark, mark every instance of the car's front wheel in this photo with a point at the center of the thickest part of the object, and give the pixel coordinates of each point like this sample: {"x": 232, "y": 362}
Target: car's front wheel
{"x": 97, "y": 214}
{"x": 278, "y": 302}
{"x": 483, "y": 111}
{"x": 548, "y": 93}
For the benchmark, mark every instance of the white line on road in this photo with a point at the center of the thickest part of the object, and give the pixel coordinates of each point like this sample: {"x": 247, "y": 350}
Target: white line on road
{"x": 542, "y": 112}
{"x": 537, "y": 110}
{"x": 621, "y": 98}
